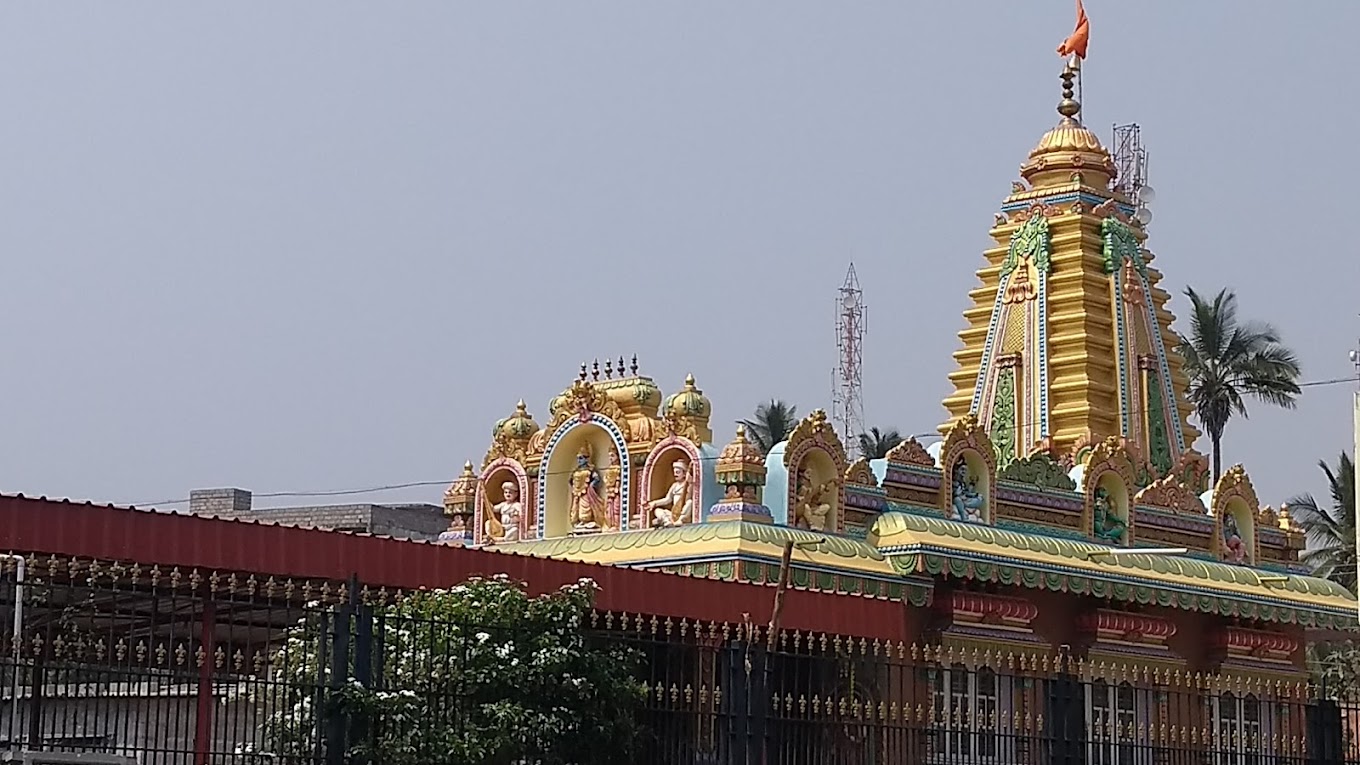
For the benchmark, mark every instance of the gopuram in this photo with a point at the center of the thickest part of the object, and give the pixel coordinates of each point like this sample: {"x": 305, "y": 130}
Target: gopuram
{"x": 1064, "y": 508}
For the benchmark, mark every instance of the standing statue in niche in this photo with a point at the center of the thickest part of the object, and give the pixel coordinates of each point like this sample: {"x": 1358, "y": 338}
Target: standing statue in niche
{"x": 1108, "y": 526}
{"x": 589, "y": 512}
{"x": 677, "y": 506}
{"x": 510, "y": 510}
{"x": 810, "y": 508}
{"x": 968, "y": 503}
{"x": 1234, "y": 549}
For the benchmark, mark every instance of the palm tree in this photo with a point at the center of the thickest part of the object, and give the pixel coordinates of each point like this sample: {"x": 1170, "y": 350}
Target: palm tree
{"x": 1330, "y": 531}
{"x": 1227, "y": 361}
{"x": 773, "y": 422}
{"x": 876, "y": 444}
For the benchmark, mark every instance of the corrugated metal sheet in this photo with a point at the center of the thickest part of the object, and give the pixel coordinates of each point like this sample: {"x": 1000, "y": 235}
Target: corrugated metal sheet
{"x": 60, "y": 527}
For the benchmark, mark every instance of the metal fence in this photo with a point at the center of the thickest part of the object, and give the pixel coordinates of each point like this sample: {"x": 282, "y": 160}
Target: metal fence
{"x": 196, "y": 668}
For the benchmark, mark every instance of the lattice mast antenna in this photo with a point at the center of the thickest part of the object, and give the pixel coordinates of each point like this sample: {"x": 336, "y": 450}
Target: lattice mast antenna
{"x": 1130, "y": 161}
{"x": 847, "y": 392}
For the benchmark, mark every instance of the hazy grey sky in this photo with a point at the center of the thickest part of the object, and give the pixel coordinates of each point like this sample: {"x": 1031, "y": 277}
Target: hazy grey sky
{"x": 326, "y": 245}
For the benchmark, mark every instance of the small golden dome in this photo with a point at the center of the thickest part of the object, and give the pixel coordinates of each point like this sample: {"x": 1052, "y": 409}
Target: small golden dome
{"x": 1068, "y": 149}
{"x": 634, "y": 395}
{"x": 461, "y": 492}
{"x": 690, "y": 402}
{"x": 740, "y": 457}
{"x": 519, "y": 426}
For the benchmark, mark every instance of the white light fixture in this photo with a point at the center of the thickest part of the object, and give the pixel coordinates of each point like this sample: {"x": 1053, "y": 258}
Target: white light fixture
{"x": 1115, "y": 552}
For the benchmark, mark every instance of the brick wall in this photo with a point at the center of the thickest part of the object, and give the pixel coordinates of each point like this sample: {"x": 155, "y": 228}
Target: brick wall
{"x": 225, "y": 503}
{"x": 420, "y": 522}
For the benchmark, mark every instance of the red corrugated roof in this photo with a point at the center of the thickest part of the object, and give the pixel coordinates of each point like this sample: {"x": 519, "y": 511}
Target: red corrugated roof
{"x": 84, "y": 530}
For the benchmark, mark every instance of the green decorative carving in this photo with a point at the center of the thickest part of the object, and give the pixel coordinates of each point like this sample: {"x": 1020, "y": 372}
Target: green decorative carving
{"x": 1105, "y": 522}
{"x": 1004, "y": 424}
{"x": 1159, "y": 442}
{"x": 1029, "y": 241}
{"x": 1039, "y": 469}
{"x": 1121, "y": 245}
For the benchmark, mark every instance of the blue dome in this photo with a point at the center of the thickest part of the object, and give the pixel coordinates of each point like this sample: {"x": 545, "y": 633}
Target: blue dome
{"x": 880, "y": 468}
{"x": 777, "y": 483}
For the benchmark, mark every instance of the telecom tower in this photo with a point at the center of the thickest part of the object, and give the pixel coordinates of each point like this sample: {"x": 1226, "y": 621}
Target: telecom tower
{"x": 847, "y": 392}
{"x": 1131, "y": 163}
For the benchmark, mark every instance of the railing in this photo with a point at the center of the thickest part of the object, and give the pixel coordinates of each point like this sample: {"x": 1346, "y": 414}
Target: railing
{"x": 191, "y": 668}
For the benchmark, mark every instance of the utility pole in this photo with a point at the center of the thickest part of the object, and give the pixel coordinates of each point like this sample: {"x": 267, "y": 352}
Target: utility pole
{"x": 1355, "y": 361}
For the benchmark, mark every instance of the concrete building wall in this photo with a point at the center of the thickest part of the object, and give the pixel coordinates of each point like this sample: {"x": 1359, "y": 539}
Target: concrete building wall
{"x": 418, "y": 522}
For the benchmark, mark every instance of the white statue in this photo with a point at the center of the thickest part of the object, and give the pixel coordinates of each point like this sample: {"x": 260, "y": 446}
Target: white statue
{"x": 676, "y": 506}
{"x": 510, "y": 511}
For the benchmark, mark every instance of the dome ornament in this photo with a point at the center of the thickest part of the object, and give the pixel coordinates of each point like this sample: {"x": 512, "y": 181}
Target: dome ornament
{"x": 1069, "y": 107}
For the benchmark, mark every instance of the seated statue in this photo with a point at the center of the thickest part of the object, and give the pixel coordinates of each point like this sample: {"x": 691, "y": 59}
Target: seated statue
{"x": 511, "y": 512}
{"x": 1234, "y": 549}
{"x": 1108, "y": 526}
{"x": 676, "y": 507}
{"x": 810, "y": 508}
{"x": 589, "y": 510}
{"x": 968, "y": 503}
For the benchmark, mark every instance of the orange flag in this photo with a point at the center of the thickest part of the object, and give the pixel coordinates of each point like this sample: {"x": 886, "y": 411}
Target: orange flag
{"x": 1076, "y": 42}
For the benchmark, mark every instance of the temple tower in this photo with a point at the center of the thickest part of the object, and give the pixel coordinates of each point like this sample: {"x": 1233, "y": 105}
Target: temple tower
{"x": 1069, "y": 338}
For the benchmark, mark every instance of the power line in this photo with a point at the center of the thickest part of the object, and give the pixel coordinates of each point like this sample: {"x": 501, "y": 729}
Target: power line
{"x": 704, "y": 458}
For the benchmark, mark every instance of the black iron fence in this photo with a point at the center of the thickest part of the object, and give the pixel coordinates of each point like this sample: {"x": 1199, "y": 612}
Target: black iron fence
{"x": 171, "y": 667}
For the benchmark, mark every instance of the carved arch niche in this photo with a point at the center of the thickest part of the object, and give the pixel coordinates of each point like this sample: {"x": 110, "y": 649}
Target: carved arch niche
{"x": 658, "y": 475}
{"x": 1235, "y": 508}
{"x": 598, "y": 440}
{"x": 491, "y": 491}
{"x": 815, "y": 457}
{"x": 1109, "y": 472}
{"x": 968, "y": 457}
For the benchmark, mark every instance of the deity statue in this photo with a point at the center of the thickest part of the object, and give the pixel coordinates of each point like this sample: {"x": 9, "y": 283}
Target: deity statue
{"x": 968, "y": 503}
{"x": 810, "y": 508}
{"x": 677, "y": 506}
{"x": 589, "y": 511}
{"x": 1108, "y": 526}
{"x": 511, "y": 511}
{"x": 1234, "y": 549}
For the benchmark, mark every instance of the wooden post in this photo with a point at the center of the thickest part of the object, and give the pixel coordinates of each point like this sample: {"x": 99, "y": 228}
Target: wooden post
{"x": 777, "y": 611}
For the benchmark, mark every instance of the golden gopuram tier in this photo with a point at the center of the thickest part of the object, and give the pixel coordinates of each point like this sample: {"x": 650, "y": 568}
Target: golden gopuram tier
{"x": 1064, "y": 506}
{"x": 1069, "y": 339}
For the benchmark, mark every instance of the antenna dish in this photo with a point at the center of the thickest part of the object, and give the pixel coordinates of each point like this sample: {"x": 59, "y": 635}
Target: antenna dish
{"x": 1355, "y": 357}
{"x": 1146, "y": 196}
{"x": 1143, "y": 216}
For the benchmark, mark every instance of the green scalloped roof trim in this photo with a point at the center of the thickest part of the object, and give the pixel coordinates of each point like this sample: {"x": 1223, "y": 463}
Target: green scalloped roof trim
{"x": 913, "y": 562}
{"x": 917, "y": 592}
{"x": 1005, "y": 523}
{"x": 594, "y": 544}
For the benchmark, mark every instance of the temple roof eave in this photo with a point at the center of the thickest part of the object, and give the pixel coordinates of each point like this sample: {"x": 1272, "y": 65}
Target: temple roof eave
{"x": 917, "y": 544}
{"x": 715, "y": 541}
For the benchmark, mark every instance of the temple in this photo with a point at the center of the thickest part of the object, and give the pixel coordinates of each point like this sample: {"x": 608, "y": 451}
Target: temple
{"x": 1064, "y": 509}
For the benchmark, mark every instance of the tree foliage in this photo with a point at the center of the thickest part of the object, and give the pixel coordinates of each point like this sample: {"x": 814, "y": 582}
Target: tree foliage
{"x": 876, "y": 444}
{"x": 773, "y": 422}
{"x": 1228, "y": 360}
{"x": 1335, "y": 667}
{"x": 479, "y": 673}
{"x": 1330, "y": 530}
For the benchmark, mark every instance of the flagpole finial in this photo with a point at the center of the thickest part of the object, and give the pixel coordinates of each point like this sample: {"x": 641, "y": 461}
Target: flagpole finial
{"x": 1069, "y": 107}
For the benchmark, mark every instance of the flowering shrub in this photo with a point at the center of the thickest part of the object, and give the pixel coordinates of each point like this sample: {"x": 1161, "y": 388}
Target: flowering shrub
{"x": 479, "y": 673}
